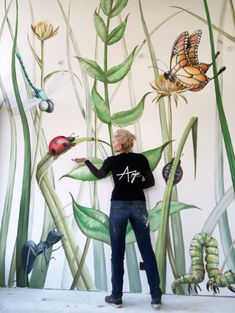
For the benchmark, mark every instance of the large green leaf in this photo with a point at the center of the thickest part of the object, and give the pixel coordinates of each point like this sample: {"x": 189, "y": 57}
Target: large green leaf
{"x": 119, "y": 6}
{"x": 91, "y": 68}
{"x": 154, "y": 155}
{"x": 154, "y": 217}
{"x": 99, "y": 106}
{"x": 92, "y": 223}
{"x": 106, "y": 6}
{"x": 100, "y": 26}
{"x": 117, "y": 33}
{"x": 125, "y": 118}
{"x": 118, "y": 72}
{"x": 81, "y": 172}
{"x": 175, "y": 206}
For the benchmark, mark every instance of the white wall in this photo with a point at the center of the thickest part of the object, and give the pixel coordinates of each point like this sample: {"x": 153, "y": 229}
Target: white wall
{"x": 67, "y": 117}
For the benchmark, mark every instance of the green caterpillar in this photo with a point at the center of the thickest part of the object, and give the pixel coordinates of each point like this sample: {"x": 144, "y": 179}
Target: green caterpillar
{"x": 217, "y": 279}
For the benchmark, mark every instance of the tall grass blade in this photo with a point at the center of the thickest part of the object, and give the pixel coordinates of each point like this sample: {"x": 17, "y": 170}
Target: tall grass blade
{"x": 9, "y": 190}
{"x": 176, "y": 220}
{"x": 22, "y": 231}
{"x": 163, "y": 227}
{"x": 218, "y": 29}
{"x": 224, "y": 228}
{"x": 222, "y": 117}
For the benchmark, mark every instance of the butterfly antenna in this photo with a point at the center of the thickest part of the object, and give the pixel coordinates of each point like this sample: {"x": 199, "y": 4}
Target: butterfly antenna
{"x": 163, "y": 63}
{"x": 157, "y": 68}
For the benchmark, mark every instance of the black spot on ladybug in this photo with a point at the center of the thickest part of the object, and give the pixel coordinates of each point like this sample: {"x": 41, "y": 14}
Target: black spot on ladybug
{"x": 65, "y": 144}
{"x": 53, "y": 152}
{"x": 178, "y": 174}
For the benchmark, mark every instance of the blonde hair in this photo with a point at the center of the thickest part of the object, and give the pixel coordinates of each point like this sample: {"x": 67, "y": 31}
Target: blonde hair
{"x": 125, "y": 139}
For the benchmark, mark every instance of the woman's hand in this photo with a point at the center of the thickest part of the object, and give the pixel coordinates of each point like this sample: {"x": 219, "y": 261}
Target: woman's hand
{"x": 79, "y": 160}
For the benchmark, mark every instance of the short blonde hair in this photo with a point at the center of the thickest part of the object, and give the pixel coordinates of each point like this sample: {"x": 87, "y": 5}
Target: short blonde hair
{"x": 125, "y": 139}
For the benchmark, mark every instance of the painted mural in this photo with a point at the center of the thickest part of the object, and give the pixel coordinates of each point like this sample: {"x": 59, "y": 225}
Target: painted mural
{"x": 71, "y": 74}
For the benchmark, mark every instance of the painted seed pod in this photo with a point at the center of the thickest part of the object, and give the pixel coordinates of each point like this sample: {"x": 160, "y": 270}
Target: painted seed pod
{"x": 178, "y": 174}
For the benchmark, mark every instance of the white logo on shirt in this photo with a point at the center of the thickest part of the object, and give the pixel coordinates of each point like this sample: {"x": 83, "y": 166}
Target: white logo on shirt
{"x": 131, "y": 175}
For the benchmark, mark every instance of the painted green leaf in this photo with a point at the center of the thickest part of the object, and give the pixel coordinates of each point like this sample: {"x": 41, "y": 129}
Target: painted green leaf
{"x": 154, "y": 217}
{"x": 91, "y": 68}
{"x": 81, "y": 172}
{"x": 93, "y": 223}
{"x": 99, "y": 106}
{"x": 131, "y": 116}
{"x": 106, "y": 6}
{"x": 118, "y": 72}
{"x": 175, "y": 206}
{"x": 117, "y": 33}
{"x": 100, "y": 26}
{"x": 119, "y": 6}
{"x": 154, "y": 155}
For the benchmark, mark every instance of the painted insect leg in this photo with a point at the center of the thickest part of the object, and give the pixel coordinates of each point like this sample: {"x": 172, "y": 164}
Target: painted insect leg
{"x": 217, "y": 279}
{"x": 198, "y": 272}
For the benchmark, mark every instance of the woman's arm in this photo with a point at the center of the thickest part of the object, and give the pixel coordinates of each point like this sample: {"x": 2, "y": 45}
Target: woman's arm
{"x": 149, "y": 180}
{"x": 99, "y": 173}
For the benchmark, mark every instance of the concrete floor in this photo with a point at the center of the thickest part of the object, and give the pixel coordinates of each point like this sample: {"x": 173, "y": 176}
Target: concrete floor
{"x": 22, "y": 300}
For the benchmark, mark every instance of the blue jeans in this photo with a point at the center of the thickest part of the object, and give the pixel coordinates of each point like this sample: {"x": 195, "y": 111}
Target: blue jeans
{"x": 136, "y": 213}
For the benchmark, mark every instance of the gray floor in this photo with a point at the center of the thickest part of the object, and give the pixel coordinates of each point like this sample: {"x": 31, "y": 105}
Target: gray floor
{"x": 22, "y": 300}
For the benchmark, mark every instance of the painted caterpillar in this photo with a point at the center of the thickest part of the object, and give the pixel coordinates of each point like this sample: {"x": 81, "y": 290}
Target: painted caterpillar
{"x": 217, "y": 279}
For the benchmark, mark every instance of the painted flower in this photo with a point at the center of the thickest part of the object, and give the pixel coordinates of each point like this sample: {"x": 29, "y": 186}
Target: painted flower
{"x": 44, "y": 30}
{"x": 166, "y": 88}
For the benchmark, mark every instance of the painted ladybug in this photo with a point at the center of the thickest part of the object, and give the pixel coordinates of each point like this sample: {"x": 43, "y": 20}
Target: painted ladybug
{"x": 60, "y": 144}
{"x": 178, "y": 174}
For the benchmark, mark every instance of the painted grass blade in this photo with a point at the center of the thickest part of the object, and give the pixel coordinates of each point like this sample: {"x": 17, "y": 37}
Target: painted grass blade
{"x": 22, "y": 231}
{"x": 161, "y": 246}
{"x": 9, "y": 191}
{"x": 223, "y": 121}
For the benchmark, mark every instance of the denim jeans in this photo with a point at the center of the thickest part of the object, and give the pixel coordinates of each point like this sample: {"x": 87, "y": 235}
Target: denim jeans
{"x": 136, "y": 213}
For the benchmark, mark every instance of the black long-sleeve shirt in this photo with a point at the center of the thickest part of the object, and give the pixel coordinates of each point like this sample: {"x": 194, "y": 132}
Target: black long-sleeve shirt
{"x": 131, "y": 173}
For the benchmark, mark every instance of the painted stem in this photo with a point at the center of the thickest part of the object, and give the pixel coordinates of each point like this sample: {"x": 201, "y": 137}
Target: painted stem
{"x": 163, "y": 228}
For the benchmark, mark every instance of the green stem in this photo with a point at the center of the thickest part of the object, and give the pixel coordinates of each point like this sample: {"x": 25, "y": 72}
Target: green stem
{"x": 9, "y": 191}
{"x": 22, "y": 231}
{"x": 222, "y": 117}
{"x": 232, "y": 11}
{"x": 71, "y": 249}
{"x": 170, "y": 128}
{"x": 106, "y": 92}
{"x": 163, "y": 228}
{"x": 81, "y": 264}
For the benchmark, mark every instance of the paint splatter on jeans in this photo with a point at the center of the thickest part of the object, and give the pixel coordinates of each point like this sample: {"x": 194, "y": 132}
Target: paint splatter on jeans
{"x": 120, "y": 213}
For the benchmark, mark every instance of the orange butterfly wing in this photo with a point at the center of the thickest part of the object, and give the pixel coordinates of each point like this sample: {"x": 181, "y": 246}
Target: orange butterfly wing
{"x": 178, "y": 55}
{"x": 192, "y": 77}
{"x": 184, "y": 65}
{"x": 192, "y": 50}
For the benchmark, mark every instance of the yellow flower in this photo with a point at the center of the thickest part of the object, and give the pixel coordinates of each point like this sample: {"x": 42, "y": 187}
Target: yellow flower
{"x": 166, "y": 88}
{"x": 44, "y": 30}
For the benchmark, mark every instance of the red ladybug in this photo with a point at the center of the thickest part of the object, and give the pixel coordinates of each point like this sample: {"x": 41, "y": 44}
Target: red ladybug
{"x": 60, "y": 144}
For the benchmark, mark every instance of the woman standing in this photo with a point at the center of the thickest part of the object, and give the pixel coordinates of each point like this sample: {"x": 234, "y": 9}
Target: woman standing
{"x": 131, "y": 174}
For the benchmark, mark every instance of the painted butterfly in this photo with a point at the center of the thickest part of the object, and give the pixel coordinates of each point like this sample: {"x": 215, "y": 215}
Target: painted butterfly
{"x": 185, "y": 67}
